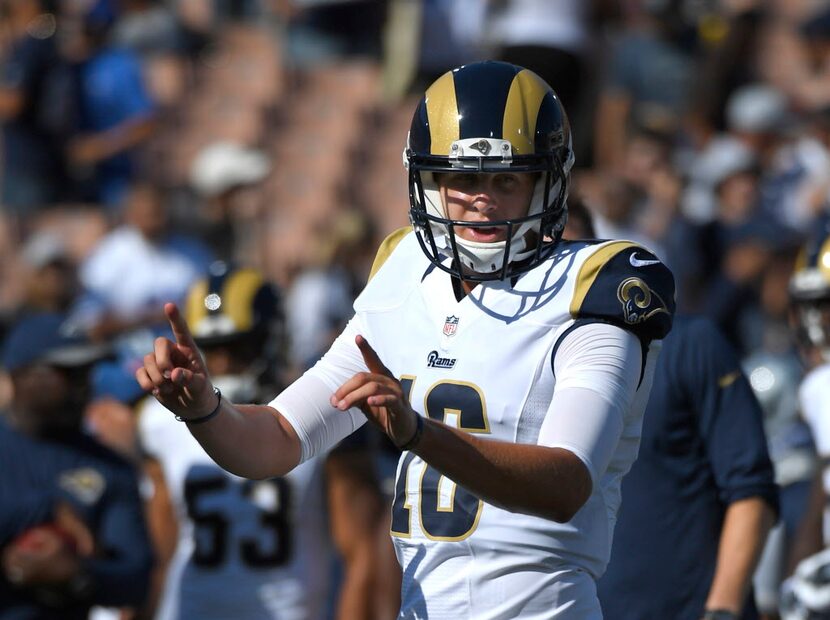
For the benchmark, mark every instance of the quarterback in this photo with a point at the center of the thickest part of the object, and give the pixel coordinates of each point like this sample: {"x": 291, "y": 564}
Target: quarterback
{"x": 510, "y": 367}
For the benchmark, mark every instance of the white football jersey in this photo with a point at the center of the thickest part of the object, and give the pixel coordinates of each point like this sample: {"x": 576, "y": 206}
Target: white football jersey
{"x": 814, "y": 399}
{"x": 484, "y": 365}
{"x": 253, "y": 549}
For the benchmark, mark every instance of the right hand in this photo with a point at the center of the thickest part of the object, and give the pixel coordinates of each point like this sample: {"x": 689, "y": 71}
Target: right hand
{"x": 175, "y": 372}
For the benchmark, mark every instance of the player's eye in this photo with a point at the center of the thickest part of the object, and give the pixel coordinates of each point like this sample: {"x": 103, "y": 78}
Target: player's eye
{"x": 460, "y": 181}
{"x": 506, "y": 182}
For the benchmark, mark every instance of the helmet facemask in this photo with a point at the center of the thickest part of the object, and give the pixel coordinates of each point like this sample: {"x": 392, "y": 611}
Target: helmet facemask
{"x": 489, "y": 118}
{"x": 529, "y": 239}
{"x": 810, "y": 293}
{"x": 813, "y": 331}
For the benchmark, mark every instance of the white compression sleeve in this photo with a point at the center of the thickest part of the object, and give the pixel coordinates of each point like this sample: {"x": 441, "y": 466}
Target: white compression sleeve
{"x": 305, "y": 403}
{"x": 597, "y": 368}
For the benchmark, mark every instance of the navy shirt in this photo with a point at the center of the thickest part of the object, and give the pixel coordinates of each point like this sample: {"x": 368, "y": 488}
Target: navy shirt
{"x": 703, "y": 447}
{"x": 37, "y": 473}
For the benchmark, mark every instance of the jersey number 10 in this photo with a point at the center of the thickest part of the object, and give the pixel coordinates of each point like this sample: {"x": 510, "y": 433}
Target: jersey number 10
{"x": 454, "y": 520}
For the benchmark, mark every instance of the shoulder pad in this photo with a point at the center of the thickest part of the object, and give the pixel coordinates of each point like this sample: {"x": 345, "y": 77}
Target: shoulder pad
{"x": 627, "y": 285}
{"x": 387, "y": 247}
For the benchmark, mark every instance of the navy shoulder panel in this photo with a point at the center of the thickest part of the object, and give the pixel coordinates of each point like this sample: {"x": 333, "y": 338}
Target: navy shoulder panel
{"x": 625, "y": 284}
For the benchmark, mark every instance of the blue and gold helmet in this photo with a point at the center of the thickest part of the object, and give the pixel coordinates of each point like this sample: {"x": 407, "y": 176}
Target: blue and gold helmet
{"x": 489, "y": 117}
{"x": 810, "y": 289}
{"x": 232, "y": 304}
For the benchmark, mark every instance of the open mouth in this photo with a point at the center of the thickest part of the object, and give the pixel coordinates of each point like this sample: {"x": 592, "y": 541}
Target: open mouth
{"x": 483, "y": 234}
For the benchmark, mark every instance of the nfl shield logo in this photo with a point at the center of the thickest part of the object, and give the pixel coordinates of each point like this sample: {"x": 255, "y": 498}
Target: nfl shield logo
{"x": 450, "y": 325}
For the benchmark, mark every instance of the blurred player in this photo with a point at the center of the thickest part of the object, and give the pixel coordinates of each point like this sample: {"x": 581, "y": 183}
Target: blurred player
{"x": 807, "y": 594}
{"x": 510, "y": 367}
{"x": 256, "y": 548}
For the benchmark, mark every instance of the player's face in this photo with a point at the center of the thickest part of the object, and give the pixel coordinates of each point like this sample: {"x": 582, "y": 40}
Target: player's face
{"x": 52, "y": 398}
{"x": 485, "y": 198}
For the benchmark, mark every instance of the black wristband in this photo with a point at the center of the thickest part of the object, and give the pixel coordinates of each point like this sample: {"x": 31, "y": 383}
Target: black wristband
{"x": 416, "y": 437}
{"x": 205, "y": 418}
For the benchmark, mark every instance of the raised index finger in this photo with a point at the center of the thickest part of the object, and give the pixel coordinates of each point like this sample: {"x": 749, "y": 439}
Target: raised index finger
{"x": 179, "y": 326}
{"x": 370, "y": 357}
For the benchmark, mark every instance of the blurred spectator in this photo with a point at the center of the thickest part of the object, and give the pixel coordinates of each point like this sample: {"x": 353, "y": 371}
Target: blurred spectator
{"x": 226, "y": 176}
{"x": 743, "y": 245}
{"x": 146, "y": 27}
{"x": 116, "y": 113}
{"x": 797, "y": 166}
{"x": 551, "y": 38}
{"x": 32, "y": 78}
{"x": 793, "y": 54}
{"x": 700, "y": 497}
{"x": 136, "y": 268}
{"x": 258, "y": 549}
{"x": 51, "y": 281}
{"x": 319, "y": 301}
{"x": 322, "y": 31}
{"x": 813, "y": 92}
{"x": 650, "y": 71}
{"x": 422, "y": 40}
{"x": 71, "y": 527}
{"x": 733, "y": 31}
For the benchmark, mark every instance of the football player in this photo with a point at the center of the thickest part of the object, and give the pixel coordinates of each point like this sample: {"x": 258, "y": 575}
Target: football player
{"x": 510, "y": 367}
{"x": 807, "y": 594}
{"x": 256, "y": 548}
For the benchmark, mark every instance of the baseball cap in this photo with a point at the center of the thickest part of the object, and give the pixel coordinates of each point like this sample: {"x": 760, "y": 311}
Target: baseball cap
{"x": 45, "y": 248}
{"x": 115, "y": 379}
{"x": 224, "y": 165}
{"x": 756, "y": 108}
{"x": 729, "y": 159}
{"x": 50, "y": 339}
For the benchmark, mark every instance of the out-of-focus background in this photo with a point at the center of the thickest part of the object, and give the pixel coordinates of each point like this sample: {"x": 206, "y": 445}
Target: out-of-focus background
{"x": 144, "y": 139}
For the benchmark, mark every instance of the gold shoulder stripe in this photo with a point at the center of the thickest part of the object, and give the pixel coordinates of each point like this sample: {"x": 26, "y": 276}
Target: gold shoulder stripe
{"x": 590, "y": 269}
{"x": 387, "y": 247}
{"x": 442, "y": 113}
{"x": 521, "y": 110}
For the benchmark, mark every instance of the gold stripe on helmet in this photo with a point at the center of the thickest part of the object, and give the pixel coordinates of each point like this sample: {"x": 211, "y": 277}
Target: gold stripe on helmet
{"x": 442, "y": 114}
{"x": 521, "y": 111}
{"x": 238, "y": 297}
{"x": 801, "y": 260}
{"x": 195, "y": 310}
{"x": 823, "y": 259}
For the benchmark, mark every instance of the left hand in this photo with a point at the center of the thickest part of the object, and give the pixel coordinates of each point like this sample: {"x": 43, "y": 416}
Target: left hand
{"x": 379, "y": 396}
{"x": 41, "y": 555}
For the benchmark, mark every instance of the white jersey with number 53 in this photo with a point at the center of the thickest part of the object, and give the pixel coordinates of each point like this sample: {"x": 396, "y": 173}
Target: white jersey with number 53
{"x": 253, "y": 549}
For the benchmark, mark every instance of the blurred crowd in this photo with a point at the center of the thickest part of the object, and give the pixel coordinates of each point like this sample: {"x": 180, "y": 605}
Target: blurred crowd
{"x": 142, "y": 140}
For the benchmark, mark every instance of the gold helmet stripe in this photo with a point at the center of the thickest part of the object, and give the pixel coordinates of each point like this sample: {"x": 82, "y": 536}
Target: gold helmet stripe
{"x": 237, "y": 297}
{"x": 823, "y": 259}
{"x": 521, "y": 110}
{"x": 195, "y": 311}
{"x": 442, "y": 114}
